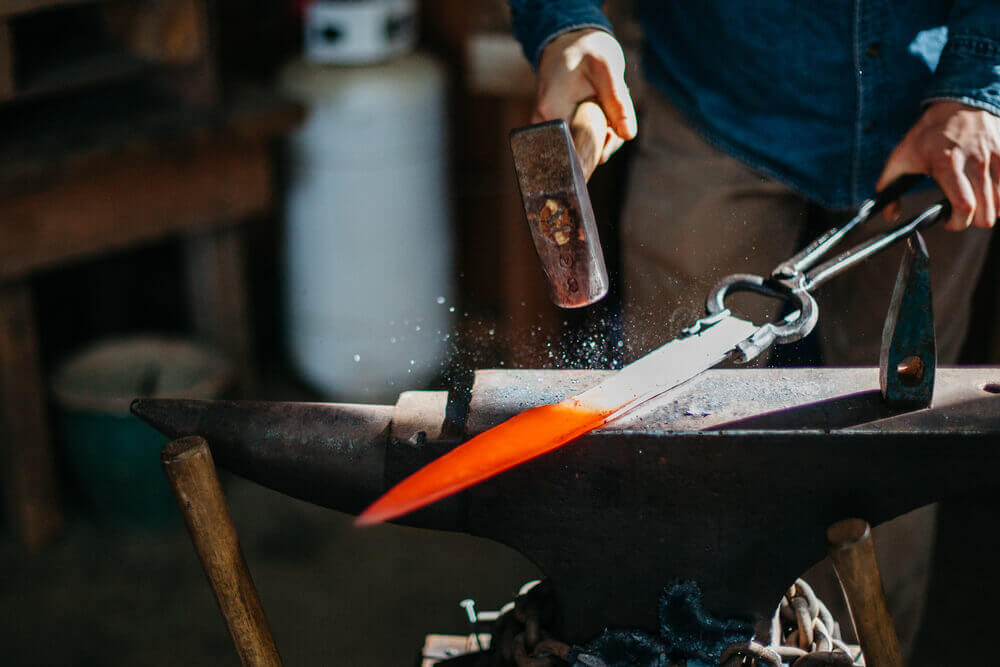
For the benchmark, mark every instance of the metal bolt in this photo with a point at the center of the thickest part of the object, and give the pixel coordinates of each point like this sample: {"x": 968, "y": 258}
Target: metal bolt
{"x": 470, "y": 609}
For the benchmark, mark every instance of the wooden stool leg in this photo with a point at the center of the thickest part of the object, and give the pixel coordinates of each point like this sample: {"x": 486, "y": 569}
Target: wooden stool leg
{"x": 31, "y": 493}
{"x": 853, "y": 556}
{"x": 217, "y": 294}
{"x": 190, "y": 470}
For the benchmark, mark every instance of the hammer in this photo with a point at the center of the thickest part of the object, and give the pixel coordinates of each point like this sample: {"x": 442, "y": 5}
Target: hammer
{"x": 552, "y": 177}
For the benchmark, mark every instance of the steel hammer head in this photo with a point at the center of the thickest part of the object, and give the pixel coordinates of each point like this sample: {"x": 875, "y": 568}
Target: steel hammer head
{"x": 557, "y": 205}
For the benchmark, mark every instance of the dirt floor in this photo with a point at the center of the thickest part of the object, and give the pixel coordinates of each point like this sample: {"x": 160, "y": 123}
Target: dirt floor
{"x": 334, "y": 595}
{"x": 338, "y": 596}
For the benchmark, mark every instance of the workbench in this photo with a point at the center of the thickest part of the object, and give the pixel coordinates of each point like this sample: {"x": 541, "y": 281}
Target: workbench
{"x": 103, "y": 173}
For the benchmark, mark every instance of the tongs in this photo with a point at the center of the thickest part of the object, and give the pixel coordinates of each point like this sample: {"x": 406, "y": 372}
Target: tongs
{"x": 795, "y": 278}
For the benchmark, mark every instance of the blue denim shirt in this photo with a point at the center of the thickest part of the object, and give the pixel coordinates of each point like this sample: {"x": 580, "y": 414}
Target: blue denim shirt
{"x": 814, "y": 94}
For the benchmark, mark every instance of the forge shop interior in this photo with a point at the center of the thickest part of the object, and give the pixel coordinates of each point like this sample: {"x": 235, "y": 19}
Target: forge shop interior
{"x": 489, "y": 333}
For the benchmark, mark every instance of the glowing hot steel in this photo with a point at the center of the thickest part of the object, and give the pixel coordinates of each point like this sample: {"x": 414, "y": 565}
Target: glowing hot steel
{"x": 531, "y": 433}
{"x": 540, "y": 430}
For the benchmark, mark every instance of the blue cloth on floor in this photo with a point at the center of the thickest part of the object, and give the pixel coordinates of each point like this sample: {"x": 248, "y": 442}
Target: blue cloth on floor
{"x": 687, "y": 632}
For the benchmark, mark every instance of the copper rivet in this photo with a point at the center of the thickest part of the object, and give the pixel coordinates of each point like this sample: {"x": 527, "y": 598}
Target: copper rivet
{"x": 911, "y": 371}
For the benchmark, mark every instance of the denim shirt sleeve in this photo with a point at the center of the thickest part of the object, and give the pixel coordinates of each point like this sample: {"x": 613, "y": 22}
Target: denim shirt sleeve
{"x": 537, "y": 22}
{"x": 969, "y": 69}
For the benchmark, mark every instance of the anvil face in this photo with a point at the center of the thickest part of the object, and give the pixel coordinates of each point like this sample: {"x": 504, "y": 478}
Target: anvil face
{"x": 658, "y": 495}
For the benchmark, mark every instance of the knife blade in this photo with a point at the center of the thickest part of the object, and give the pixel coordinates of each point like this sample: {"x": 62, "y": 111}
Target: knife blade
{"x": 542, "y": 429}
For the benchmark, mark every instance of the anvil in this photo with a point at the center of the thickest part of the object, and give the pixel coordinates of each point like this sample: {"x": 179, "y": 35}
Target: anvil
{"x": 728, "y": 480}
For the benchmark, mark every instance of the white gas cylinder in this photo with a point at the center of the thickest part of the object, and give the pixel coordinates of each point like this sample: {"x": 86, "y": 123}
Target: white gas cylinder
{"x": 358, "y": 31}
{"x": 368, "y": 232}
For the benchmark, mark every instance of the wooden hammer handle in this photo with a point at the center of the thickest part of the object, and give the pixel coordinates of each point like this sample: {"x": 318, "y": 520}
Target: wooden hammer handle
{"x": 190, "y": 470}
{"x": 853, "y": 556}
{"x": 589, "y": 128}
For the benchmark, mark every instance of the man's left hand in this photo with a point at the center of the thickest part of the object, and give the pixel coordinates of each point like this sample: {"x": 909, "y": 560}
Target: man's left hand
{"x": 959, "y": 146}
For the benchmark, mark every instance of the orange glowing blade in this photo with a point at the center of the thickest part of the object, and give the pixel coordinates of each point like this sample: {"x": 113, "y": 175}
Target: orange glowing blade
{"x": 529, "y": 434}
{"x": 542, "y": 429}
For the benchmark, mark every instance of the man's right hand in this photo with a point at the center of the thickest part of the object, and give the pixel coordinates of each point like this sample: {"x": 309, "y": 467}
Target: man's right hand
{"x": 586, "y": 65}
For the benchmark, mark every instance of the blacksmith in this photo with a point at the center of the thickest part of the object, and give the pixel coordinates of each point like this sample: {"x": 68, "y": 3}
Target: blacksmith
{"x": 765, "y": 122}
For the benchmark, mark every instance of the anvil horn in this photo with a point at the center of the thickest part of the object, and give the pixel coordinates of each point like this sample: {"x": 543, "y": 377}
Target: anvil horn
{"x": 331, "y": 454}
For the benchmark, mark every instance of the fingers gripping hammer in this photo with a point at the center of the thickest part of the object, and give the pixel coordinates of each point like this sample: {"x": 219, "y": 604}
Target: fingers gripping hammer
{"x": 552, "y": 177}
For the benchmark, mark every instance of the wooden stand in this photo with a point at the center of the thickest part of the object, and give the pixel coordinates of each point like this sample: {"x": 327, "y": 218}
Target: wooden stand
{"x": 31, "y": 494}
{"x": 190, "y": 470}
{"x": 853, "y": 556}
{"x": 216, "y": 279}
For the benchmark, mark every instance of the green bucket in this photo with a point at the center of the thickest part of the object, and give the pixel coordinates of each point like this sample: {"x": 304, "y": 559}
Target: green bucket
{"x": 114, "y": 456}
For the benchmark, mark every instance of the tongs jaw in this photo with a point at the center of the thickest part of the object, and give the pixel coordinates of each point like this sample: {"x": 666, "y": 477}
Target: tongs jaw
{"x": 794, "y": 279}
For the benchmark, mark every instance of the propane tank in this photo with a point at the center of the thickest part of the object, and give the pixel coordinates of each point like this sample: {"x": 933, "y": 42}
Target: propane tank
{"x": 368, "y": 235}
{"x": 358, "y": 31}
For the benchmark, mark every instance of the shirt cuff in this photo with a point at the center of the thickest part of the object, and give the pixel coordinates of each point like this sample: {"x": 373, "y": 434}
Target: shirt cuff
{"x": 968, "y": 72}
{"x": 534, "y": 30}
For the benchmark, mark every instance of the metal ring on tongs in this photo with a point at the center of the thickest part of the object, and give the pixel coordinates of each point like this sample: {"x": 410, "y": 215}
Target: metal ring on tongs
{"x": 796, "y": 326}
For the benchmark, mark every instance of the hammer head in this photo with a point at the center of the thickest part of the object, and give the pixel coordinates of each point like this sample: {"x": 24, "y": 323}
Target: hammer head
{"x": 557, "y": 206}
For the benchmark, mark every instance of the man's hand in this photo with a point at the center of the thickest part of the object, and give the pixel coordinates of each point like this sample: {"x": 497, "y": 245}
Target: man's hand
{"x": 582, "y": 65}
{"x": 959, "y": 146}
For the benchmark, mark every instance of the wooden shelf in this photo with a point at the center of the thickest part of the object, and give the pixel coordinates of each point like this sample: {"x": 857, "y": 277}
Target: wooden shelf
{"x": 75, "y": 45}
{"x": 59, "y": 137}
{"x": 15, "y": 7}
{"x": 94, "y": 69}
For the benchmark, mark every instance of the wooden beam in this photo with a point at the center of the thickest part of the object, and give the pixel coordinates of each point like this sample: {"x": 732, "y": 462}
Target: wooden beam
{"x": 217, "y": 296}
{"x": 6, "y": 63}
{"x": 14, "y": 7}
{"x": 162, "y": 31}
{"x": 31, "y": 494}
{"x": 132, "y": 201}
{"x": 175, "y": 33}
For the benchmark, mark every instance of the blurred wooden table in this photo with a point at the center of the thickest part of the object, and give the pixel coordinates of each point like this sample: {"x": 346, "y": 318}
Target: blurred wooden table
{"x": 102, "y": 174}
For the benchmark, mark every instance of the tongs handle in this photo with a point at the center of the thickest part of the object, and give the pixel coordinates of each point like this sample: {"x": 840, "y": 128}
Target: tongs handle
{"x": 813, "y": 252}
{"x": 845, "y": 260}
{"x": 894, "y": 191}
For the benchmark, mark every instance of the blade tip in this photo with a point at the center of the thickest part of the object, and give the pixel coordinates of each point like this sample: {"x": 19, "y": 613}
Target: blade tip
{"x": 367, "y": 518}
